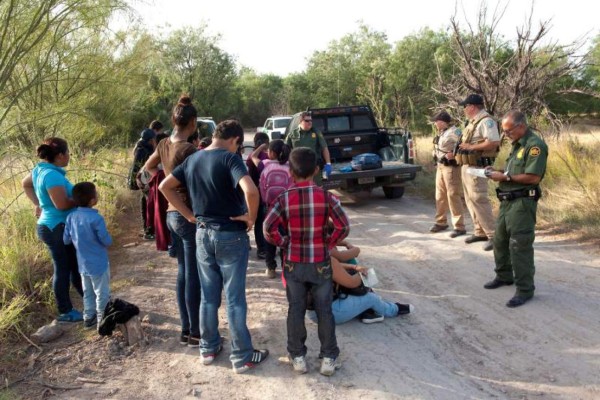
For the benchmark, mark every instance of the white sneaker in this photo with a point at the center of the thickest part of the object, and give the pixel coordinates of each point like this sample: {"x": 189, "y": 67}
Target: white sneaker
{"x": 329, "y": 365}
{"x": 299, "y": 364}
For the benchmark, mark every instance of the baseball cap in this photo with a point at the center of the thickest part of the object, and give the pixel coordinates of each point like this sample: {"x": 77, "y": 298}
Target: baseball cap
{"x": 472, "y": 99}
{"x": 148, "y": 134}
{"x": 441, "y": 116}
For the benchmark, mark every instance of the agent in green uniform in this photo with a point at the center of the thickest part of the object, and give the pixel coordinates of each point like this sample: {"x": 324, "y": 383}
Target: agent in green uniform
{"x": 306, "y": 136}
{"x": 518, "y": 192}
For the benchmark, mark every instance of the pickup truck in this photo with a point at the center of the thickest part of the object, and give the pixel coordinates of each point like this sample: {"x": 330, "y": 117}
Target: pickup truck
{"x": 352, "y": 130}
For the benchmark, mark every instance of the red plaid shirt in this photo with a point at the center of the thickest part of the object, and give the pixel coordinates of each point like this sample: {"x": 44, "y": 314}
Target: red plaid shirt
{"x": 298, "y": 223}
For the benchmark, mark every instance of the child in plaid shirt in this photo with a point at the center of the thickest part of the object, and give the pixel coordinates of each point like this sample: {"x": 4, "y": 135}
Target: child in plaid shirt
{"x": 297, "y": 222}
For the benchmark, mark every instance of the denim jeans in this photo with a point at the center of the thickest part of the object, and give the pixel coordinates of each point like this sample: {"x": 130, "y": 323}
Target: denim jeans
{"x": 183, "y": 235}
{"x": 64, "y": 259}
{"x": 96, "y": 293}
{"x": 222, "y": 262}
{"x": 300, "y": 278}
{"x": 346, "y": 309}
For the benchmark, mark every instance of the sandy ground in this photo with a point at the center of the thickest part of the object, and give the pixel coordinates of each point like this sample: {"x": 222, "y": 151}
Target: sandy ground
{"x": 461, "y": 342}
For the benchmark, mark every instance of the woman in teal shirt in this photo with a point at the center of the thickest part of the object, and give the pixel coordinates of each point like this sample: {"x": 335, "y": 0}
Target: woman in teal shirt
{"x": 50, "y": 191}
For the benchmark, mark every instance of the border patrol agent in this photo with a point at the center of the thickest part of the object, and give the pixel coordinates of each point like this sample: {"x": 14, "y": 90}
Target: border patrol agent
{"x": 480, "y": 143}
{"x": 306, "y": 136}
{"x": 518, "y": 193}
{"x": 448, "y": 184}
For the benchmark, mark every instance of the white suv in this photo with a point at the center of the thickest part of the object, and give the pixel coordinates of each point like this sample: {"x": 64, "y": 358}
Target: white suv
{"x": 275, "y": 126}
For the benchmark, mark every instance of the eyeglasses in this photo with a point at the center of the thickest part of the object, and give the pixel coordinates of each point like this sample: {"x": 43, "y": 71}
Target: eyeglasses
{"x": 511, "y": 129}
{"x": 307, "y": 120}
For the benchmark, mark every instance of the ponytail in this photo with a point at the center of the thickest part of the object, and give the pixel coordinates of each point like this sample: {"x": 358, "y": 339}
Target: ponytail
{"x": 281, "y": 149}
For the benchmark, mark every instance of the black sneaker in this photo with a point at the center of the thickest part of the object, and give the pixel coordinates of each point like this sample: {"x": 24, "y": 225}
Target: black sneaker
{"x": 261, "y": 254}
{"x": 90, "y": 323}
{"x": 183, "y": 338}
{"x": 258, "y": 356}
{"x": 193, "y": 341}
{"x": 370, "y": 317}
{"x": 404, "y": 309}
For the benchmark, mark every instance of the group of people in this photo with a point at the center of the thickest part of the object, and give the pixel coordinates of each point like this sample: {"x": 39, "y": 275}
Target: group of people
{"x": 74, "y": 232}
{"x": 214, "y": 200}
{"x": 464, "y": 165}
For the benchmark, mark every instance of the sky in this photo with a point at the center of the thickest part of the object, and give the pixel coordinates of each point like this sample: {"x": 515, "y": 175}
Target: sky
{"x": 279, "y": 36}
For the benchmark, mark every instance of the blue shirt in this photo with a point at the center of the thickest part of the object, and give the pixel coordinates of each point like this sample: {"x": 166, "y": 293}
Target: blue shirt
{"x": 46, "y": 176}
{"x": 211, "y": 178}
{"x": 86, "y": 229}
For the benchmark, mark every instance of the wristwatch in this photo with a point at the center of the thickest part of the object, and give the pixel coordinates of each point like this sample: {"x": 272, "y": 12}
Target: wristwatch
{"x": 508, "y": 179}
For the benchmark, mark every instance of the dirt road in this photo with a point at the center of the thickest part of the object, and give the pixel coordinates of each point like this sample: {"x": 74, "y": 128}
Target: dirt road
{"x": 462, "y": 342}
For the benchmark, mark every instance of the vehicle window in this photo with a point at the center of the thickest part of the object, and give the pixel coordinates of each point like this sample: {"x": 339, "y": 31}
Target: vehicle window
{"x": 319, "y": 124}
{"x": 282, "y": 123}
{"x": 270, "y": 124}
{"x": 205, "y": 129}
{"x": 362, "y": 122}
{"x": 335, "y": 124}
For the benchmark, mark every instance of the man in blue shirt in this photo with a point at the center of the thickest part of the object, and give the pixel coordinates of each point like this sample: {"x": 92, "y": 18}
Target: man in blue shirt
{"x": 224, "y": 205}
{"x": 86, "y": 230}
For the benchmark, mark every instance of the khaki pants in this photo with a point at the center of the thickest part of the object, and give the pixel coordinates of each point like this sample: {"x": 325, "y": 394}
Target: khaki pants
{"x": 478, "y": 203}
{"x": 448, "y": 192}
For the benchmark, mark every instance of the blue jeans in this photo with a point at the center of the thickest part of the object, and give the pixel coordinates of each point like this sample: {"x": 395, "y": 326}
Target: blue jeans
{"x": 346, "y": 309}
{"x": 183, "y": 235}
{"x": 96, "y": 293}
{"x": 64, "y": 259}
{"x": 222, "y": 262}
{"x": 316, "y": 278}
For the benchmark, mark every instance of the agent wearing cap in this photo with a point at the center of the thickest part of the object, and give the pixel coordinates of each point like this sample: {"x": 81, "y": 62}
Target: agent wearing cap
{"x": 479, "y": 147}
{"x": 518, "y": 192}
{"x": 448, "y": 185}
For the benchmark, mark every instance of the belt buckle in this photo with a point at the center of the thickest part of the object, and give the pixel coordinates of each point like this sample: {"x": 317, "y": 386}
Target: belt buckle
{"x": 531, "y": 192}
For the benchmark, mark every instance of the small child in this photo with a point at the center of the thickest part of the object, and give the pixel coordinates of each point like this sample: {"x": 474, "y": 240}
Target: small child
{"x": 274, "y": 179}
{"x": 86, "y": 229}
{"x": 297, "y": 222}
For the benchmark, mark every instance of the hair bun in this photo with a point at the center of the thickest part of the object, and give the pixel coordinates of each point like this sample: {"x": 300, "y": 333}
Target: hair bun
{"x": 185, "y": 100}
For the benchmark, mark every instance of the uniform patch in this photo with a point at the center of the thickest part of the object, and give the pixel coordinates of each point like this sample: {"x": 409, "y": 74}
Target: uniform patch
{"x": 534, "y": 151}
{"x": 314, "y": 135}
{"x": 489, "y": 123}
{"x": 520, "y": 153}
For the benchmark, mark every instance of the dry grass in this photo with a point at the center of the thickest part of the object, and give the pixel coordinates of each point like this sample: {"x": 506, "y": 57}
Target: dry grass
{"x": 571, "y": 187}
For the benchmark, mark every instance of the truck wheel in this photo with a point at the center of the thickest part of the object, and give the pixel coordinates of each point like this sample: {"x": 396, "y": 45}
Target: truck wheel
{"x": 393, "y": 192}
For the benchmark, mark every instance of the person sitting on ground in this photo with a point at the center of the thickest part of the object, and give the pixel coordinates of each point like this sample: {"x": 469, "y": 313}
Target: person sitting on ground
{"x": 86, "y": 230}
{"x": 297, "y": 222}
{"x": 346, "y": 256}
{"x": 347, "y": 306}
{"x": 274, "y": 179}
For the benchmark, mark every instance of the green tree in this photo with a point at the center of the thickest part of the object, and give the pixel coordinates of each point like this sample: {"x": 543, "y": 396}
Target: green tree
{"x": 415, "y": 63}
{"x": 193, "y": 63}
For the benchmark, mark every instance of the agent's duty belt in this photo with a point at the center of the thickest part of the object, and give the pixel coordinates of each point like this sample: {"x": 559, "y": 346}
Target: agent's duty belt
{"x": 448, "y": 163}
{"x": 534, "y": 193}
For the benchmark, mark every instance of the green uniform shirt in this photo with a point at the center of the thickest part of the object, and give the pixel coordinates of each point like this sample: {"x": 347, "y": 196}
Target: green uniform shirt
{"x": 528, "y": 156}
{"x": 312, "y": 139}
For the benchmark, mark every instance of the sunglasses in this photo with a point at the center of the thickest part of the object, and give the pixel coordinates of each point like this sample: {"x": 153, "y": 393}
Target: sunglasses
{"x": 307, "y": 120}
{"x": 511, "y": 129}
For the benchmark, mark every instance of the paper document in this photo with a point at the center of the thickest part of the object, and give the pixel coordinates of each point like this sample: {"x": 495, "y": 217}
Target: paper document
{"x": 479, "y": 172}
{"x": 371, "y": 279}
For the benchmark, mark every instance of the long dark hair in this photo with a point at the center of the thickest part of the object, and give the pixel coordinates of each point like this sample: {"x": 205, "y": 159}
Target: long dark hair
{"x": 51, "y": 148}
{"x": 281, "y": 149}
{"x": 184, "y": 112}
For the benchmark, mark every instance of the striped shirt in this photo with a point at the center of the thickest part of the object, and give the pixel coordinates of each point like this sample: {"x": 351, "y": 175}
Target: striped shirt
{"x": 298, "y": 219}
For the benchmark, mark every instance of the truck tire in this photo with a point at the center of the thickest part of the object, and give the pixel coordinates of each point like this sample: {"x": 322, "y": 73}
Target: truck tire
{"x": 393, "y": 192}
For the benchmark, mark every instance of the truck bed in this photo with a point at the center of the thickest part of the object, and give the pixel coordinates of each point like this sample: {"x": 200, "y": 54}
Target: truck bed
{"x": 400, "y": 171}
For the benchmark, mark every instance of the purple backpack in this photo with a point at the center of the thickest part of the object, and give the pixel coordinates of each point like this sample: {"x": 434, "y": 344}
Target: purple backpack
{"x": 275, "y": 179}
